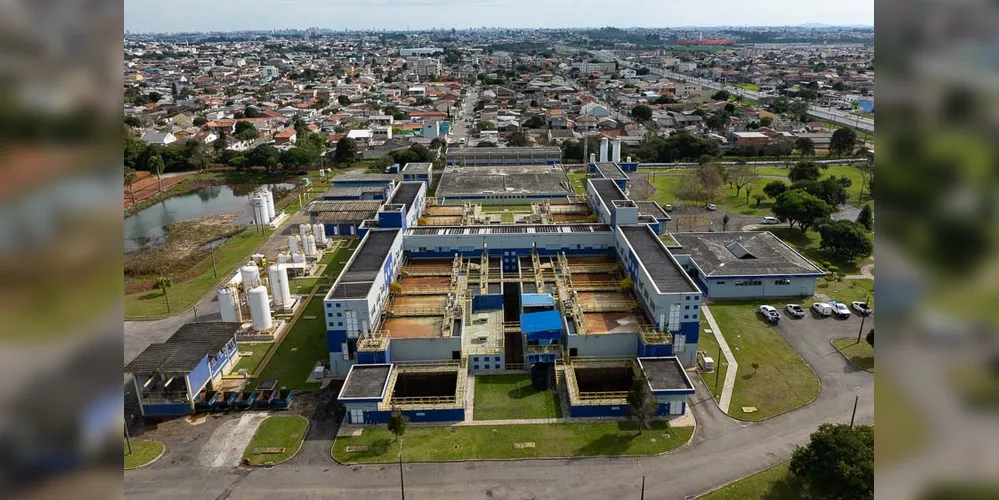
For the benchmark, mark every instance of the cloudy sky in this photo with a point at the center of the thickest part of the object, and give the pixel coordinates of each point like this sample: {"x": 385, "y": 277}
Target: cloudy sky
{"x": 227, "y": 15}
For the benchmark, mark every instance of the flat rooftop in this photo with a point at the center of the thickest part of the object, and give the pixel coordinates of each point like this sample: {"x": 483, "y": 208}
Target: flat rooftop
{"x": 184, "y": 349}
{"x": 352, "y": 191}
{"x": 417, "y": 167}
{"x": 610, "y": 170}
{"x": 356, "y": 279}
{"x": 507, "y": 229}
{"x": 352, "y": 178}
{"x": 319, "y": 206}
{"x": 405, "y": 194}
{"x": 662, "y": 268}
{"x": 365, "y": 382}
{"x": 519, "y": 180}
{"x": 504, "y": 152}
{"x": 665, "y": 374}
{"x": 608, "y": 191}
{"x": 651, "y": 208}
{"x": 750, "y": 253}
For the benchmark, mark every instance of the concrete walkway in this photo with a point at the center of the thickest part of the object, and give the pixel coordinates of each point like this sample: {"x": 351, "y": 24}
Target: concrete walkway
{"x": 866, "y": 273}
{"x": 733, "y": 367}
{"x": 469, "y": 398}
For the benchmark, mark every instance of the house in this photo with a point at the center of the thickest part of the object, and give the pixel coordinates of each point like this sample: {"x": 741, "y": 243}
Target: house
{"x": 586, "y": 123}
{"x": 556, "y": 136}
{"x": 158, "y": 138}
{"x": 205, "y": 137}
{"x": 286, "y": 136}
{"x": 555, "y": 118}
{"x": 750, "y": 139}
{"x": 595, "y": 110}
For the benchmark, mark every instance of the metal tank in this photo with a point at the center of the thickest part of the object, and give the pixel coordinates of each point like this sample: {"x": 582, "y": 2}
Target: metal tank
{"x": 229, "y": 305}
{"x": 251, "y": 276}
{"x": 260, "y": 308}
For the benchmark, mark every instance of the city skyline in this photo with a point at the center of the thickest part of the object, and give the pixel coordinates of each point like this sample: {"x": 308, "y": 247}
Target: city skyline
{"x": 149, "y": 17}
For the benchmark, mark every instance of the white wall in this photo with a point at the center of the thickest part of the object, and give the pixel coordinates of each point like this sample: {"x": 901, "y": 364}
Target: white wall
{"x": 474, "y": 242}
{"x": 605, "y": 345}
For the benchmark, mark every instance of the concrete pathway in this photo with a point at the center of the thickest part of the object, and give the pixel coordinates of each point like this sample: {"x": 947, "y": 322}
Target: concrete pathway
{"x": 733, "y": 367}
{"x": 469, "y": 398}
{"x": 225, "y": 447}
{"x": 866, "y": 273}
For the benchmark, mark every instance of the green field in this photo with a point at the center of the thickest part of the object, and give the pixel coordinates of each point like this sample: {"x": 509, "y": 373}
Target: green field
{"x": 861, "y": 354}
{"x": 844, "y": 291}
{"x": 775, "y": 483}
{"x": 578, "y": 180}
{"x": 808, "y": 244}
{"x": 250, "y": 363}
{"x": 183, "y": 295}
{"x": 713, "y": 380}
{"x": 500, "y": 397}
{"x": 491, "y": 442}
{"x": 286, "y": 432}
{"x": 143, "y": 452}
{"x": 783, "y": 380}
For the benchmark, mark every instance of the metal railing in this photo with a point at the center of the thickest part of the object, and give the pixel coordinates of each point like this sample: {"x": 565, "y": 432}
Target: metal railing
{"x": 610, "y": 306}
{"x": 543, "y": 349}
{"x": 376, "y": 340}
{"x": 651, "y": 336}
{"x": 597, "y": 286}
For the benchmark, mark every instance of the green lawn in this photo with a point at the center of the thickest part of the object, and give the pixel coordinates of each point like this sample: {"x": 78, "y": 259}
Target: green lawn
{"x": 490, "y": 442}
{"x": 306, "y": 342}
{"x": 499, "y": 397}
{"x": 752, "y": 87}
{"x": 783, "y": 380}
{"x": 143, "y": 452}
{"x": 844, "y": 291}
{"x": 338, "y": 259}
{"x": 506, "y": 208}
{"x": 578, "y": 180}
{"x": 259, "y": 350}
{"x": 714, "y": 380}
{"x": 861, "y": 354}
{"x": 808, "y": 244}
{"x": 183, "y": 295}
{"x": 302, "y": 286}
{"x": 775, "y": 483}
{"x": 276, "y": 432}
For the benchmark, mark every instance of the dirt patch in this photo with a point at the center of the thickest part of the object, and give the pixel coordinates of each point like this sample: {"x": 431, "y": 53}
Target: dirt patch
{"x": 185, "y": 246}
{"x": 415, "y": 327}
{"x": 225, "y": 447}
{"x": 610, "y": 322}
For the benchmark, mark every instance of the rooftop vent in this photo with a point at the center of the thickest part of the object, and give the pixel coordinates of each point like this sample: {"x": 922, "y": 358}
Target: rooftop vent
{"x": 739, "y": 251}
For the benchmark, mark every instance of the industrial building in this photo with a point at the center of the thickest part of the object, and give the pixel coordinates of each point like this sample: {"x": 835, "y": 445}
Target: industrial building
{"x": 581, "y": 288}
{"x": 513, "y": 156}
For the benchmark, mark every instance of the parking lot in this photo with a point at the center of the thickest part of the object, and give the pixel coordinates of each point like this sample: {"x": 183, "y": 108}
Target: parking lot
{"x": 811, "y": 336}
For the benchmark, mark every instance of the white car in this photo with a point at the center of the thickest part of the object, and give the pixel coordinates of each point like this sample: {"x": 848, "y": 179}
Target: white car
{"x": 822, "y": 309}
{"x": 770, "y": 220}
{"x": 861, "y": 307}
{"x": 769, "y": 313}
{"x": 794, "y": 310}
{"x": 840, "y": 309}
{"x": 712, "y": 207}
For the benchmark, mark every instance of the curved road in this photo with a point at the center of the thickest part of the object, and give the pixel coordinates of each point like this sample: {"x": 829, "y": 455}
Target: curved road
{"x": 722, "y": 450}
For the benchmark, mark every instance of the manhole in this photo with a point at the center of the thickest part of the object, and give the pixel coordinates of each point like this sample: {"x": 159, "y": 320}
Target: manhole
{"x": 457, "y": 446}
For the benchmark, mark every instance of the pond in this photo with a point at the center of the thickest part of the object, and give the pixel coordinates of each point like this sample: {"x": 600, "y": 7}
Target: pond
{"x": 147, "y": 228}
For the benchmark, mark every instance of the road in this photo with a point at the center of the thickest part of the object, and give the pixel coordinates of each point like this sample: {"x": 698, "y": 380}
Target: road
{"x": 460, "y": 128}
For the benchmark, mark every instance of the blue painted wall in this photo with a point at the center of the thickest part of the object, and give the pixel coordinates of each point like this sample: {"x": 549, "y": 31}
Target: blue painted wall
{"x": 692, "y": 330}
{"x": 598, "y": 411}
{"x": 199, "y": 375}
{"x": 167, "y": 410}
{"x": 368, "y": 358}
{"x": 487, "y": 303}
{"x": 335, "y": 338}
{"x": 381, "y": 417}
{"x": 654, "y": 350}
{"x": 391, "y": 220}
{"x": 663, "y": 408}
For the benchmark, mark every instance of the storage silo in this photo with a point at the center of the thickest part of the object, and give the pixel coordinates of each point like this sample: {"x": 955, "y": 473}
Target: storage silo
{"x": 280, "y": 287}
{"x": 229, "y": 305}
{"x": 269, "y": 197}
{"x": 309, "y": 245}
{"x": 251, "y": 276}
{"x": 298, "y": 258}
{"x": 260, "y": 308}
{"x": 293, "y": 243}
{"x": 284, "y": 257}
{"x": 319, "y": 231}
{"x": 259, "y": 210}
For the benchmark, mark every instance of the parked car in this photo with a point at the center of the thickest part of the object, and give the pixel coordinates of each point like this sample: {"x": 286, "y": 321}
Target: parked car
{"x": 840, "y": 309}
{"x": 769, "y": 313}
{"x": 861, "y": 307}
{"x": 667, "y": 207}
{"x": 712, "y": 206}
{"x": 770, "y": 220}
{"x": 795, "y": 311}
{"x": 822, "y": 309}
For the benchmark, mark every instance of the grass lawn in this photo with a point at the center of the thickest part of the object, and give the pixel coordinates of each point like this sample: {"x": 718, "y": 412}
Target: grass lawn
{"x": 338, "y": 259}
{"x": 752, "y": 87}
{"x": 861, "y": 354}
{"x": 305, "y": 343}
{"x": 808, "y": 244}
{"x": 783, "y": 380}
{"x": 143, "y": 452}
{"x": 506, "y": 208}
{"x": 487, "y": 441}
{"x": 714, "y": 380}
{"x": 578, "y": 180}
{"x": 184, "y": 295}
{"x": 302, "y": 286}
{"x": 499, "y": 397}
{"x": 775, "y": 483}
{"x": 900, "y": 430}
{"x": 276, "y": 432}
{"x": 259, "y": 350}
{"x": 845, "y": 291}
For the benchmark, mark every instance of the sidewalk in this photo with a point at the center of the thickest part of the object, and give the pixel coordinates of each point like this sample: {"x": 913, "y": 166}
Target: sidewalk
{"x": 733, "y": 367}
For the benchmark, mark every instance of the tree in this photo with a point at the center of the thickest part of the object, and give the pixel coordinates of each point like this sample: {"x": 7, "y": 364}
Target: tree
{"x": 721, "y": 95}
{"x": 837, "y": 463}
{"x": 485, "y": 144}
{"x": 163, "y": 283}
{"x": 870, "y": 337}
{"x": 130, "y": 177}
{"x": 251, "y": 112}
{"x": 725, "y": 221}
{"x": 642, "y": 112}
{"x": 805, "y": 146}
{"x": 346, "y": 151}
{"x": 796, "y": 206}
{"x": 133, "y": 121}
{"x": 485, "y": 125}
{"x": 640, "y": 405}
{"x": 843, "y": 140}
{"x": 718, "y": 120}
{"x": 804, "y": 171}
{"x": 157, "y": 166}
{"x": 642, "y": 71}
{"x": 343, "y": 100}
{"x": 829, "y": 190}
{"x": 759, "y": 199}
{"x": 155, "y": 97}
{"x": 741, "y": 175}
{"x": 799, "y": 109}
{"x": 866, "y": 217}
{"x": 773, "y": 189}
{"x": 535, "y": 121}
{"x": 766, "y": 121}
{"x": 219, "y": 145}
{"x": 263, "y": 155}
{"x": 199, "y": 121}
{"x": 245, "y": 131}
{"x": 397, "y": 423}
{"x": 845, "y": 239}
{"x": 518, "y": 139}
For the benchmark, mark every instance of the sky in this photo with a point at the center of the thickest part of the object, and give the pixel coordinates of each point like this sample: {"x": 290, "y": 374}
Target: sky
{"x": 231, "y": 15}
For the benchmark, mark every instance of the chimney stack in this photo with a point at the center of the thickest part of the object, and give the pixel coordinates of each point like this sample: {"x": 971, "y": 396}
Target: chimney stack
{"x": 603, "y": 149}
{"x": 593, "y": 158}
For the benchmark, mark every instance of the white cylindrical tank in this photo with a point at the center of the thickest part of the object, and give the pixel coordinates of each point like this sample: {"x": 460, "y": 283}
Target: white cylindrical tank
{"x": 260, "y": 308}
{"x": 269, "y": 197}
{"x": 604, "y": 142}
{"x": 298, "y": 258}
{"x": 310, "y": 246}
{"x": 304, "y": 229}
{"x": 251, "y": 276}
{"x": 293, "y": 243}
{"x": 322, "y": 173}
{"x": 275, "y": 283}
{"x": 282, "y": 289}
{"x": 259, "y": 210}
{"x": 229, "y": 306}
{"x": 593, "y": 157}
{"x": 319, "y": 231}
{"x": 284, "y": 258}
{"x": 616, "y": 154}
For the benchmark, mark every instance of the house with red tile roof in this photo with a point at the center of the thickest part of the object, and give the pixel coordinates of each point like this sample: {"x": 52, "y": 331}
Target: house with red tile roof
{"x": 286, "y": 136}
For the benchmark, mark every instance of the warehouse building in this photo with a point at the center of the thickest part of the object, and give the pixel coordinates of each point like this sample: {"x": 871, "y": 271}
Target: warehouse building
{"x": 492, "y": 157}
{"x": 511, "y": 184}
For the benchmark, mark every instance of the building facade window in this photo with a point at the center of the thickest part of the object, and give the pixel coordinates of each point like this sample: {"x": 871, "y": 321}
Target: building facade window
{"x": 748, "y": 283}
{"x": 784, "y": 281}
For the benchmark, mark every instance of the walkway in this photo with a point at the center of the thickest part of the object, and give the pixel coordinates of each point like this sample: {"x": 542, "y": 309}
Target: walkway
{"x": 733, "y": 367}
{"x": 866, "y": 273}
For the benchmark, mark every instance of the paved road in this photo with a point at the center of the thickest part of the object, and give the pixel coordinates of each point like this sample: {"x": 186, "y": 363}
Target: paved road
{"x": 460, "y": 128}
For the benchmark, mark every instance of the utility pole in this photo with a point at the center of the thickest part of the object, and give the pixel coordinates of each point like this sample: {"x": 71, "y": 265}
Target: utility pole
{"x": 861, "y": 332}
{"x": 128, "y": 439}
{"x": 215, "y": 269}
{"x": 854, "y": 416}
{"x": 196, "y": 314}
{"x": 643, "y": 487}
{"x": 402, "y": 481}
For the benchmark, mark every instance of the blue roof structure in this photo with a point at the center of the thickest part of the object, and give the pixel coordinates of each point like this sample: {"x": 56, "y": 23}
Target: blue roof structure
{"x": 537, "y": 299}
{"x": 537, "y": 322}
